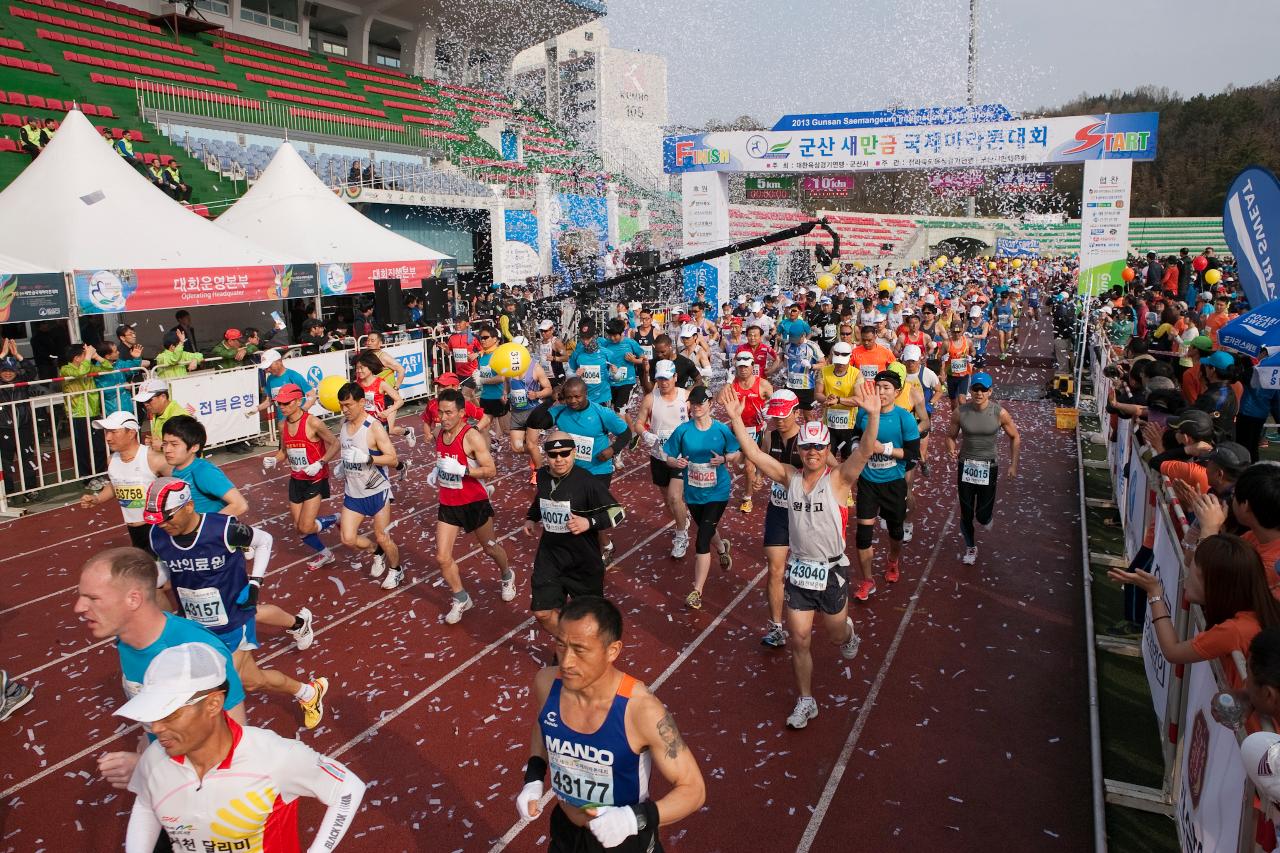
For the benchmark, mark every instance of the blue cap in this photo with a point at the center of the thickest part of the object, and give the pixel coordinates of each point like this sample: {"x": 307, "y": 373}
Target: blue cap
{"x": 1218, "y": 360}
{"x": 9, "y": 363}
{"x": 981, "y": 379}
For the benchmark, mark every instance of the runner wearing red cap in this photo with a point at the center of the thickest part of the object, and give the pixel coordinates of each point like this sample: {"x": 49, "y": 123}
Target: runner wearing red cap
{"x": 308, "y": 446}
{"x": 779, "y": 443}
{"x": 752, "y": 391}
{"x": 431, "y": 411}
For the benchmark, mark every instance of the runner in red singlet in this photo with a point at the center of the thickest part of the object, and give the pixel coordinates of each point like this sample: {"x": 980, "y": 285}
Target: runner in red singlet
{"x": 752, "y": 391}
{"x": 307, "y": 445}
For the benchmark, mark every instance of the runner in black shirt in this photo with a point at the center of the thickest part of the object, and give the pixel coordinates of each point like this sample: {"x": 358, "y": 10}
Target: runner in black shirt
{"x": 687, "y": 374}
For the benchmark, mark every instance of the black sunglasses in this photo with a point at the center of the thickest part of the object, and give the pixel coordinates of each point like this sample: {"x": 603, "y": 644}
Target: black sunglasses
{"x": 558, "y": 454}
{"x": 811, "y": 446}
{"x": 979, "y": 389}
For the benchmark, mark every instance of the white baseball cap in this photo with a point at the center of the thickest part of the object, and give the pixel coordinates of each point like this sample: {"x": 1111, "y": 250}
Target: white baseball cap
{"x": 813, "y": 432}
{"x": 665, "y": 369}
{"x": 118, "y": 420}
{"x": 975, "y": 311}
{"x": 546, "y": 326}
{"x": 910, "y": 352}
{"x": 757, "y": 307}
{"x": 908, "y": 311}
{"x": 930, "y": 299}
{"x": 173, "y": 678}
{"x": 841, "y": 353}
{"x": 744, "y": 357}
{"x": 268, "y": 358}
{"x": 150, "y": 388}
{"x": 633, "y": 306}
{"x": 688, "y": 330}
{"x": 520, "y": 340}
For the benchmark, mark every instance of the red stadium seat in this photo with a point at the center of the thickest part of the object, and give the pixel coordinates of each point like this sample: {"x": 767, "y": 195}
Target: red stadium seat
{"x": 116, "y": 133}
{"x": 105, "y": 112}
{"x": 54, "y": 104}
{"x": 17, "y": 99}
{"x": 7, "y": 144}
{"x": 135, "y": 135}
{"x": 11, "y": 120}
{"x": 36, "y": 102}
{"x": 89, "y": 109}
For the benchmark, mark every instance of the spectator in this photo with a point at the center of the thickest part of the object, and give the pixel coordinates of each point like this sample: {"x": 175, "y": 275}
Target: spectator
{"x": 49, "y": 340}
{"x": 173, "y": 361}
{"x": 124, "y": 147}
{"x": 173, "y": 179}
{"x": 356, "y": 176}
{"x": 1220, "y": 317}
{"x": 113, "y": 380}
{"x": 84, "y": 404}
{"x": 414, "y": 306}
{"x": 365, "y": 321}
{"x": 188, "y": 331}
{"x": 1255, "y": 503}
{"x": 1185, "y": 270}
{"x": 1169, "y": 276}
{"x": 1256, "y": 405}
{"x": 154, "y": 397}
{"x": 29, "y": 137}
{"x": 370, "y": 177}
{"x": 230, "y": 351}
{"x": 18, "y": 447}
{"x": 1218, "y": 398}
{"x": 1193, "y": 379}
{"x": 155, "y": 174}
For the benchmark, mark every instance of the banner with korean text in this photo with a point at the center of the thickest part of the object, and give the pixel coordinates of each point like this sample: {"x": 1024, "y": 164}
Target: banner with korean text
{"x": 223, "y": 400}
{"x": 1104, "y": 224}
{"x": 106, "y": 291}
{"x": 706, "y": 226}
{"x": 1167, "y": 566}
{"x": 338, "y": 279}
{"x": 1211, "y": 796}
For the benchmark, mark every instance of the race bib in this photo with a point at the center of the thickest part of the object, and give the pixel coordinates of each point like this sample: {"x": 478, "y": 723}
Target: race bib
{"x": 488, "y": 372}
{"x": 838, "y": 419}
{"x": 131, "y": 497}
{"x": 589, "y": 373}
{"x": 297, "y": 457}
{"x": 447, "y": 479}
{"x": 461, "y": 355}
{"x": 702, "y": 475}
{"x": 203, "y": 606}
{"x": 555, "y": 515}
{"x": 881, "y": 462}
{"x": 584, "y": 447}
{"x": 648, "y": 352}
{"x": 806, "y": 575}
{"x": 778, "y": 495}
{"x": 959, "y": 365}
{"x": 976, "y": 472}
{"x": 829, "y": 331}
{"x": 868, "y": 372}
{"x": 519, "y": 399}
{"x": 579, "y": 781}
{"x": 798, "y": 379}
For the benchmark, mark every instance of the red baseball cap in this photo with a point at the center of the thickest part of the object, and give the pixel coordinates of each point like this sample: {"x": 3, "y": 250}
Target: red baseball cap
{"x": 288, "y": 393}
{"x": 684, "y": 318}
{"x": 231, "y": 334}
{"x": 448, "y": 380}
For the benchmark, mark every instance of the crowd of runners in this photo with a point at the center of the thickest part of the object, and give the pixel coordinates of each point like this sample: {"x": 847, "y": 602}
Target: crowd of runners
{"x": 816, "y": 404}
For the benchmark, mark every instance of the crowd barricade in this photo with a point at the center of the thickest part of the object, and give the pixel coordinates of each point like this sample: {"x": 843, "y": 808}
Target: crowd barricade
{"x": 1204, "y": 777}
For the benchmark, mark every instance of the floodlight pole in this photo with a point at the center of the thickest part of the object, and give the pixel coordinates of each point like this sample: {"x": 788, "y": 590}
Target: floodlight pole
{"x": 971, "y": 202}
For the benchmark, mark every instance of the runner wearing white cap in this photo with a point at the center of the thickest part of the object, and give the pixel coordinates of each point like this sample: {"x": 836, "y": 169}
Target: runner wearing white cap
{"x": 817, "y": 517}
{"x": 929, "y": 385}
{"x": 694, "y": 347}
{"x": 837, "y": 382}
{"x": 551, "y": 353}
{"x": 130, "y": 470}
{"x": 659, "y": 414}
{"x": 752, "y": 391}
{"x": 209, "y": 782}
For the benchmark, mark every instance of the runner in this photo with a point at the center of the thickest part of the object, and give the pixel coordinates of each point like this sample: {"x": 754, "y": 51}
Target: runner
{"x": 207, "y": 778}
{"x": 976, "y": 424}
{"x": 590, "y": 364}
{"x": 523, "y": 395}
{"x": 779, "y": 443}
{"x": 366, "y": 451}
{"x": 377, "y": 392}
{"x": 600, "y": 731}
{"x": 644, "y": 334}
{"x": 464, "y": 349}
{"x": 752, "y": 391}
{"x": 308, "y": 446}
{"x": 660, "y": 412}
{"x": 204, "y": 555}
{"x": 911, "y": 398}
{"x": 431, "y": 412}
{"x": 702, "y": 449}
{"x": 182, "y": 442}
{"x": 1006, "y": 325}
{"x": 274, "y": 377}
{"x": 926, "y": 381}
{"x": 493, "y": 388}
{"x": 623, "y": 354}
{"x": 836, "y": 386}
{"x": 817, "y": 515}
{"x": 870, "y": 357}
{"x": 551, "y": 354}
{"x": 392, "y": 372}
{"x": 979, "y": 333}
{"x": 572, "y": 507}
{"x": 154, "y": 397}
{"x": 687, "y": 374}
{"x": 958, "y": 365}
{"x": 800, "y": 357}
{"x": 462, "y": 461}
{"x": 882, "y": 485}
{"x": 131, "y": 469}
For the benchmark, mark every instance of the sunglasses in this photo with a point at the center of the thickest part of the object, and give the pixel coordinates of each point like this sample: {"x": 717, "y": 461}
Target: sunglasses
{"x": 978, "y": 389}
{"x": 484, "y": 337}
{"x": 558, "y": 454}
{"x": 808, "y": 447}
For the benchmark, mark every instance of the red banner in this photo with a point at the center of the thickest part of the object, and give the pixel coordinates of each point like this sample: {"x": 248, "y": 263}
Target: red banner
{"x": 337, "y": 279}
{"x": 105, "y": 291}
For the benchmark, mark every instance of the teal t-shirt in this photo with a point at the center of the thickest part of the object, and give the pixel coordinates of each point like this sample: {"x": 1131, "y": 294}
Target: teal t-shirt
{"x": 897, "y": 427}
{"x": 703, "y": 483}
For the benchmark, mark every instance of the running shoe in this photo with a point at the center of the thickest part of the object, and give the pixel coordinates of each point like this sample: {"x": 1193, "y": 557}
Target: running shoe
{"x": 410, "y": 437}
{"x": 401, "y": 469}
{"x": 924, "y": 469}
{"x": 746, "y": 505}
{"x": 313, "y": 711}
{"x": 4, "y": 683}
{"x": 379, "y": 566}
{"x": 693, "y": 600}
{"x": 323, "y": 558}
{"x": 908, "y": 528}
{"x": 970, "y": 556}
{"x": 849, "y": 648}
{"x": 15, "y": 696}
{"x": 327, "y": 521}
{"x": 806, "y": 710}
{"x": 726, "y": 561}
{"x": 680, "y": 544}
{"x": 488, "y": 490}
{"x": 393, "y": 578}
{"x": 775, "y": 637}
{"x": 303, "y": 636}
{"x": 606, "y": 552}
{"x": 509, "y": 587}
{"x": 865, "y": 590}
{"x": 456, "y": 609}
{"x": 891, "y": 572}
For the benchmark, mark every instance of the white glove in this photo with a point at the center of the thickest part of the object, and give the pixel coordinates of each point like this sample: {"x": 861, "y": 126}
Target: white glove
{"x": 355, "y": 455}
{"x": 613, "y": 825}
{"x": 650, "y": 438}
{"x": 339, "y": 470}
{"x": 887, "y": 448}
{"x": 449, "y": 465}
{"x": 529, "y": 795}
{"x": 269, "y": 462}
{"x": 313, "y": 469}
{"x": 431, "y": 477}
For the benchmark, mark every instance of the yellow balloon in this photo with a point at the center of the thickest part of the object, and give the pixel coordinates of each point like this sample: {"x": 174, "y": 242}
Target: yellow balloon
{"x": 942, "y": 260}
{"x": 857, "y": 265}
{"x": 327, "y": 393}
{"x": 1212, "y": 276}
{"x": 991, "y": 265}
{"x": 887, "y": 284}
{"x": 825, "y": 281}
{"x": 1016, "y": 263}
{"x": 510, "y": 360}
{"x": 834, "y": 269}
{"x": 1035, "y": 264}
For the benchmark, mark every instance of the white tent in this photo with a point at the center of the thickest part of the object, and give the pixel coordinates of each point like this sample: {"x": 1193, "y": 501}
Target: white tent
{"x": 291, "y": 209}
{"x": 79, "y": 206}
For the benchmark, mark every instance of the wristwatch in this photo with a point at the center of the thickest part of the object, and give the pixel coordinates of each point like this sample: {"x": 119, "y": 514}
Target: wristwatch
{"x": 1155, "y": 599}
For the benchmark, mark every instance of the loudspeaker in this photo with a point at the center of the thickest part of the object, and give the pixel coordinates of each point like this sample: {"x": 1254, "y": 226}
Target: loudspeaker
{"x": 388, "y": 302}
{"x": 436, "y": 300}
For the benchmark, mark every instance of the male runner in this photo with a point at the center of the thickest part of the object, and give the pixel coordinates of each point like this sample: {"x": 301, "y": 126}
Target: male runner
{"x": 752, "y": 390}
{"x": 780, "y": 443}
{"x": 590, "y": 364}
{"x": 493, "y": 387}
{"x": 911, "y": 398}
{"x": 524, "y": 393}
{"x": 132, "y": 468}
{"x": 817, "y": 515}
{"x": 599, "y": 731}
{"x": 366, "y": 452}
{"x": 204, "y": 555}
{"x": 183, "y": 439}
{"x": 307, "y": 445}
{"x": 870, "y": 357}
{"x": 762, "y": 354}
{"x": 659, "y": 414}
{"x": 687, "y": 374}
{"x": 645, "y": 334}
{"x": 573, "y": 507}
{"x": 624, "y": 355}
{"x": 274, "y": 377}
{"x": 462, "y": 461}
{"x": 463, "y": 351}
{"x": 926, "y": 381}
{"x": 550, "y": 353}
{"x": 836, "y": 385}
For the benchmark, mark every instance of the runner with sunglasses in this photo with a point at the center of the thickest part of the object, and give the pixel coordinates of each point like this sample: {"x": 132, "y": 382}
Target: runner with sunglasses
{"x": 493, "y": 388}
{"x": 976, "y": 424}
{"x": 780, "y": 443}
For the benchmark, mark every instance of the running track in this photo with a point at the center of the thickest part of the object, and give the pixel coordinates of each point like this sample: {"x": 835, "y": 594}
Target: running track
{"x": 960, "y": 725}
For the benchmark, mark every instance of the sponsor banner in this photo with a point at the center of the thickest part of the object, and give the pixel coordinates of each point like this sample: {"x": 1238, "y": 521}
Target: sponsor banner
{"x": 828, "y": 186}
{"x": 770, "y": 188}
{"x": 1268, "y": 372}
{"x": 115, "y": 290}
{"x": 1136, "y": 502}
{"x": 413, "y": 360}
{"x": 1104, "y": 224}
{"x": 1252, "y": 332}
{"x": 315, "y": 368}
{"x": 520, "y": 252}
{"x": 1167, "y": 566}
{"x": 1024, "y": 181}
{"x": 339, "y": 279}
{"x": 31, "y": 297}
{"x": 957, "y": 182}
{"x": 1013, "y": 247}
{"x": 1211, "y": 796}
{"x": 896, "y": 118}
{"x": 1120, "y": 465}
{"x": 222, "y": 400}
{"x": 1251, "y": 224}
{"x": 1069, "y": 139}
{"x": 705, "y": 208}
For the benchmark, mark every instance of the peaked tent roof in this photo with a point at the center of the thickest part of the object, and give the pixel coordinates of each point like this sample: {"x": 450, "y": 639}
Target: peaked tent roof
{"x": 80, "y": 206}
{"x": 291, "y": 209}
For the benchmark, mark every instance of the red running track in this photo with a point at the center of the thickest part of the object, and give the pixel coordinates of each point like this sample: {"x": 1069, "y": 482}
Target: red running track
{"x": 962, "y": 720}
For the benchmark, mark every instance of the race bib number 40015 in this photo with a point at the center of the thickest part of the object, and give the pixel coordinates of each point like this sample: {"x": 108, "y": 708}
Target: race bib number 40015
{"x": 976, "y": 472}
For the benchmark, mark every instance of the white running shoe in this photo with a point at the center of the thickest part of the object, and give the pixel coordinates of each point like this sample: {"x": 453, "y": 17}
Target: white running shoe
{"x": 606, "y": 553}
{"x": 806, "y": 710}
{"x": 410, "y": 437}
{"x": 379, "y": 566}
{"x": 680, "y": 544}
{"x": 970, "y": 556}
{"x": 393, "y": 579}
{"x": 509, "y": 588}
{"x": 456, "y": 609}
{"x": 907, "y": 529}
{"x": 322, "y": 558}
{"x": 303, "y": 637}
{"x": 849, "y": 648}
{"x": 726, "y": 561}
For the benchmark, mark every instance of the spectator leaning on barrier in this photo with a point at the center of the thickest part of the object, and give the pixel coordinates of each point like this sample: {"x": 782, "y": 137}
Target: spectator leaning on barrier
{"x": 154, "y": 397}
{"x": 276, "y": 376}
{"x": 175, "y": 361}
{"x": 230, "y": 351}
{"x": 1255, "y": 503}
{"x": 1256, "y": 405}
{"x": 17, "y": 430}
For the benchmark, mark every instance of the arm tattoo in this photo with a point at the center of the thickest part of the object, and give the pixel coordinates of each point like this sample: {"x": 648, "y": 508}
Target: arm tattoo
{"x": 670, "y": 735}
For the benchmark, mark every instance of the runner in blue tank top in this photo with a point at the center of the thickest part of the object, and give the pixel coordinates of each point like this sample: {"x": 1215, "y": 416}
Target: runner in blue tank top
{"x": 600, "y": 731}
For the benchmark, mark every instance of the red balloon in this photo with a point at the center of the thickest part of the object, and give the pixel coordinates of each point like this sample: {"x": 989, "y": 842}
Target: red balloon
{"x": 1199, "y": 263}
{"x": 1127, "y": 274}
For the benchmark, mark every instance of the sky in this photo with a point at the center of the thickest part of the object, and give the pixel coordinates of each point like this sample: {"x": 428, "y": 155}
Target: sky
{"x": 726, "y": 58}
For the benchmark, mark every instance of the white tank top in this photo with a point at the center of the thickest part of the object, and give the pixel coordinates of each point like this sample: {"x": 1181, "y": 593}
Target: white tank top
{"x": 665, "y": 416}
{"x": 130, "y": 481}
{"x": 816, "y": 521}
{"x": 364, "y": 479}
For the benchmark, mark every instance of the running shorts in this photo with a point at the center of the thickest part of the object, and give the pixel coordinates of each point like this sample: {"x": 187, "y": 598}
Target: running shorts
{"x": 520, "y": 418}
{"x": 242, "y": 639}
{"x": 883, "y": 500}
{"x": 369, "y": 506}
{"x": 469, "y": 517}
{"x": 140, "y": 537}
{"x": 621, "y": 395}
{"x": 957, "y": 385}
{"x": 568, "y": 837}
{"x": 831, "y": 600}
{"x": 776, "y": 527}
{"x": 552, "y": 585}
{"x": 660, "y": 472}
{"x": 494, "y": 408}
{"x": 301, "y": 491}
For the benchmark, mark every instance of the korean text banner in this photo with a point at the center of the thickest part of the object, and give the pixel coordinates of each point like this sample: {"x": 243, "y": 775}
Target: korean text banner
{"x": 1104, "y": 224}
{"x": 339, "y": 279}
{"x": 1251, "y": 223}
{"x": 1013, "y": 247}
{"x": 220, "y": 399}
{"x": 31, "y": 297}
{"x": 108, "y": 291}
{"x": 1070, "y": 139}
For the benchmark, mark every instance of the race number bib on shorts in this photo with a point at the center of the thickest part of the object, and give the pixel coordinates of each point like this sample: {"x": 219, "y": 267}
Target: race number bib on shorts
{"x": 702, "y": 475}
{"x": 590, "y": 374}
{"x": 203, "y": 606}
{"x": 579, "y": 781}
{"x": 778, "y": 495}
{"x": 806, "y": 575}
{"x": 130, "y": 497}
{"x": 584, "y": 447}
{"x": 555, "y": 515}
{"x": 447, "y": 479}
{"x": 838, "y": 419}
{"x": 976, "y": 472}
{"x": 297, "y": 457}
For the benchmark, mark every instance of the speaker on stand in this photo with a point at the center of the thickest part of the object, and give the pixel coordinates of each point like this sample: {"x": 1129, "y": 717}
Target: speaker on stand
{"x": 437, "y": 297}
{"x": 388, "y": 303}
